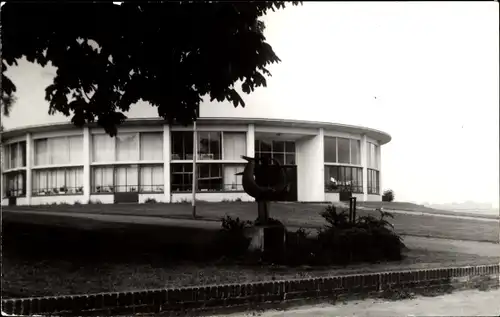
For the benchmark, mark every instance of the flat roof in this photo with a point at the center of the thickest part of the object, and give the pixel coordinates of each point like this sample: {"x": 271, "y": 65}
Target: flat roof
{"x": 380, "y": 136}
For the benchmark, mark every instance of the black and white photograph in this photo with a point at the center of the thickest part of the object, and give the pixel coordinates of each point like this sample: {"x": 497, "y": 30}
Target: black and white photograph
{"x": 250, "y": 158}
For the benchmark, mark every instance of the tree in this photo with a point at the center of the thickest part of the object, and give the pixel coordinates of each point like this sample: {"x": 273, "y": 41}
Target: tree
{"x": 388, "y": 195}
{"x": 169, "y": 54}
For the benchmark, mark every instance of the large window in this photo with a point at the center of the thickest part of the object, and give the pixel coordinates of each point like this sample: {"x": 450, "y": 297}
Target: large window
{"x": 340, "y": 178}
{"x": 151, "y": 146}
{"x": 182, "y": 145}
{"x": 210, "y": 176}
{"x": 58, "y": 181}
{"x": 372, "y": 156}
{"x": 209, "y": 145}
{"x": 373, "y": 182}
{"x": 282, "y": 151}
{"x": 235, "y": 145}
{"x": 15, "y": 184}
{"x": 342, "y": 150}
{"x": 15, "y": 155}
{"x": 59, "y": 151}
{"x": 182, "y": 177}
{"x": 151, "y": 179}
{"x": 103, "y": 148}
{"x": 127, "y": 147}
{"x": 127, "y": 178}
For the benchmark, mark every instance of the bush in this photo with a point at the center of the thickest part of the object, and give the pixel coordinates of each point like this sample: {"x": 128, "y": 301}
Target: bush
{"x": 365, "y": 239}
{"x": 150, "y": 201}
{"x": 231, "y": 240}
{"x": 388, "y": 195}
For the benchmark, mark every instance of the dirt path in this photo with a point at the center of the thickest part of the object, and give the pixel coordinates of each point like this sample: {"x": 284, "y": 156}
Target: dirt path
{"x": 466, "y": 303}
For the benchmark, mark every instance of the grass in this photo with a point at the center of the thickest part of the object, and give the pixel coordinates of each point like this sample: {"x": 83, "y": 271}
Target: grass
{"x": 404, "y": 206}
{"x": 293, "y": 215}
{"x": 68, "y": 256}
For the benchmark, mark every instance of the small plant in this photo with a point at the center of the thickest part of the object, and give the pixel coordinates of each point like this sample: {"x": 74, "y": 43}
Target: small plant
{"x": 238, "y": 200}
{"x": 77, "y": 202}
{"x": 150, "y": 201}
{"x": 94, "y": 202}
{"x": 388, "y": 195}
{"x": 231, "y": 240}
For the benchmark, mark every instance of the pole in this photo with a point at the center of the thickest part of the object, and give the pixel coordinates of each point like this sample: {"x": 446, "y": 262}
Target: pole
{"x": 195, "y": 154}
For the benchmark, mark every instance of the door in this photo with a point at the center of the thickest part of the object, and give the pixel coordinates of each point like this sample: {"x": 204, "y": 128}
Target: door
{"x": 291, "y": 190}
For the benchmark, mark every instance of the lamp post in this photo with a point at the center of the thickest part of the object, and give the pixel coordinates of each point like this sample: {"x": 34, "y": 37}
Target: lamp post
{"x": 195, "y": 154}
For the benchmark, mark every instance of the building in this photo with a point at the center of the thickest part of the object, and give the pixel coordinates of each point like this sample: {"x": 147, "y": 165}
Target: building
{"x": 59, "y": 163}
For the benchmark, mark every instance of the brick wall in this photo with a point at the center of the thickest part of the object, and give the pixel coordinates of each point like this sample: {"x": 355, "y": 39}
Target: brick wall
{"x": 243, "y": 296}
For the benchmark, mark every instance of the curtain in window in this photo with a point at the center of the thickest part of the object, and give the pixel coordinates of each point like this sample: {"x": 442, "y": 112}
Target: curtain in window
{"x": 127, "y": 147}
{"x": 103, "y": 179}
{"x": 41, "y": 157}
{"x": 58, "y": 149}
{"x": 75, "y": 149}
{"x": 103, "y": 148}
{"x": 232, "y": 181}
{"x": 151, "y": 146}
{"x": 13, "y": 155}
{"x": 234, "y": 145}
{"x": 355, "y": 152}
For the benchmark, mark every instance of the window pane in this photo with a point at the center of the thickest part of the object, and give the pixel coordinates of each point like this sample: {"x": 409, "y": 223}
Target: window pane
{"x": 290, "y": 147}
{"x": 158, "y": 179}
{"x": 233, "y": 182}
{"x": 58, "y": 150}
{"x": 265, "y": 146}
{"x": 279, "y": 146}
{"x": 290, "y": 159}
{"x": 182, "y": 145}
{"x": 76, "y": 149}
{"x": 13, "y": 155}
{"x": 103, "y": 148}
{"x": 343, "y": 148}
{"x": 355, "y": 152}
{"x": 151, "y": 146}
{"x": 280, "y": 157}
{"x": 209, "y": 145}
{"x": 41, "y": 157}
{"x": 330, "y": 150}
{"x": 103, "y": 180}
{"x": 209, "y": 177}
{"x": 182, "y": 177}
{"x": 127, "y": 147}
{"x": 234, "y": 145}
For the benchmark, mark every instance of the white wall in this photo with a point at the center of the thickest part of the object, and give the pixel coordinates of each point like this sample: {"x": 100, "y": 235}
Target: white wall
{"x": 310, "y": 168}
{"x": 211, "y": 197}
{"x": 332, "y": 197}
{"x": 67, "y": 199}
{"x": 374, "y": 197}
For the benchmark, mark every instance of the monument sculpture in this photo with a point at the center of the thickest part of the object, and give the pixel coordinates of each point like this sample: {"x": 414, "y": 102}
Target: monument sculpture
{"x": 265, "y": 180}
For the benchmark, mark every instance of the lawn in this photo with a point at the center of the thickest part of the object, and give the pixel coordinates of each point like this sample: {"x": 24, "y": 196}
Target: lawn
{"x": 295, "y": 215}
{"x": 404, "y": 206}
{"x": 63, "y": 255}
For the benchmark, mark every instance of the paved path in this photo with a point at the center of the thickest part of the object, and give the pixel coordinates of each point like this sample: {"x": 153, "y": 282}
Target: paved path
{"x": 466, "y": 303}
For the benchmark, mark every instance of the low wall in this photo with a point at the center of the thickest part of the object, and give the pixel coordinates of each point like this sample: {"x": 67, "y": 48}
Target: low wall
{"x": 196, "y": 300}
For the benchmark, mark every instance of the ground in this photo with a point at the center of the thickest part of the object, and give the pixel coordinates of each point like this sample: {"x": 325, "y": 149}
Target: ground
{"x": 27, "y": 273}
{"x": 465, "y": 303}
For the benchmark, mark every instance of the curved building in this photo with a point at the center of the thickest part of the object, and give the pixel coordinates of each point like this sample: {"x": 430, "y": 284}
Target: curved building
{"x": 59, "y": 163}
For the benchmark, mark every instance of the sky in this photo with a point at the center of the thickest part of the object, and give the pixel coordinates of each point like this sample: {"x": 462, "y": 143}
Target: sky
{"x": 427, "y": 73}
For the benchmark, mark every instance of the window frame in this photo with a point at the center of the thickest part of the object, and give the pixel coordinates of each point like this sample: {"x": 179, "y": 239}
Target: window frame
{"x": 36, "y": 192}
{"x": 337, "y": 151}
{"x": 357, "y": 189}
{"x": 370, "y": 189}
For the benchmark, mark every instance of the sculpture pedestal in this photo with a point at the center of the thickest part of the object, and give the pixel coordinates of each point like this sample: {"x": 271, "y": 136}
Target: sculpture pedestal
{"x": 268, "y": 239}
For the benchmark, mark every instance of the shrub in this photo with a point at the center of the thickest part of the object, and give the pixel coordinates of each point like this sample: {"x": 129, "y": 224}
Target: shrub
{"x": 365, "y": 239}
{"x": 150, "y": 201}
{"x": 231, "y": 240}
{"x": 77, "y": 202}
{"x": 270, "y": 221}
{"x": 388, "y": 195}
